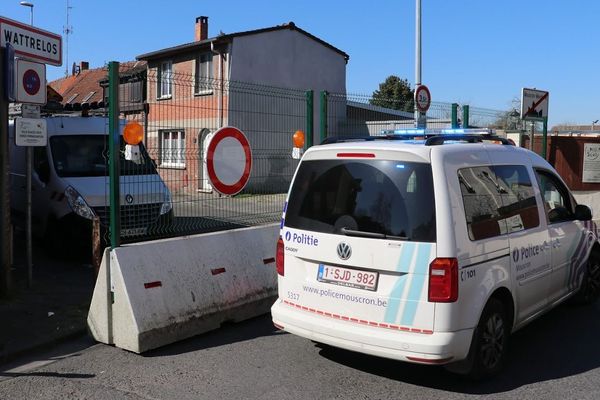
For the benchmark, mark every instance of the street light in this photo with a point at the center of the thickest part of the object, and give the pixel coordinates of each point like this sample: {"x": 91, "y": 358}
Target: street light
{"x": 30, "y": 5}
{"x": 594, "y": 123}
{"x": 28, "y": 173}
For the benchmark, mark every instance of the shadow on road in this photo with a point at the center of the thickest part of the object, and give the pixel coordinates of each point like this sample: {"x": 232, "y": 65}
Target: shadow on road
{"x": 561, "y": 344}
{"x": 228, "y": 334}
{"x": 47, "y": 375}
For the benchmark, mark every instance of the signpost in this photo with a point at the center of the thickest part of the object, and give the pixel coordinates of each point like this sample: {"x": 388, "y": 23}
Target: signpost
{"x": 34, "y": 47}
{"x": 229, "y": 161}
{"x": 534, "y": 107}
{"x": 422, "y": 103}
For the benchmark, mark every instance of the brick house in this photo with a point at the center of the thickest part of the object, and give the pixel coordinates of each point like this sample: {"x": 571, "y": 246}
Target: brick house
{"x": 193, "y": 89}
{"x": 87, "y": 89}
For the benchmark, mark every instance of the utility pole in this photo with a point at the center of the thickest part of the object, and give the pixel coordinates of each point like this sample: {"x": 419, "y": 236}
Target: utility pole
{"x": 28, "y": 184}
{"x": 417, "y": 55}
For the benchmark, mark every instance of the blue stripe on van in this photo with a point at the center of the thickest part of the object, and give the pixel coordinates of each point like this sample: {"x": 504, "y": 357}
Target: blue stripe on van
{"x": 418, "y": 280}
{"x": 393, "y": 307}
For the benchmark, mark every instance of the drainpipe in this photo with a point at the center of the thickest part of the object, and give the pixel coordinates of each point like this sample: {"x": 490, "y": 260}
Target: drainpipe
{"x": 220, "y": 99}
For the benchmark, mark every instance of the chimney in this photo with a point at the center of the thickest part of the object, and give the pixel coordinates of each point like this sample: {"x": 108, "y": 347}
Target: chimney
{"x": 201, "y": 28}
{"x": 84, "y": 66}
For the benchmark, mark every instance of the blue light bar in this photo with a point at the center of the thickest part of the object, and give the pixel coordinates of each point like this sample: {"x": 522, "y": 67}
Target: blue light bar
{"x": 453, "y": 131}
{"x": 410, "y": 131}
{"x": 469, "y": 131}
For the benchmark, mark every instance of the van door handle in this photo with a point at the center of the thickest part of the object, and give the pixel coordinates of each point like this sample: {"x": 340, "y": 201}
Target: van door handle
{"x": 546, "y": 245}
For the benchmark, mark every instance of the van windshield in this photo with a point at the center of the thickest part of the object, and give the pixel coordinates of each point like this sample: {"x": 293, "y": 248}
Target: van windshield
{"x": 87, "y": 155}
{"x": 382, "y": 197}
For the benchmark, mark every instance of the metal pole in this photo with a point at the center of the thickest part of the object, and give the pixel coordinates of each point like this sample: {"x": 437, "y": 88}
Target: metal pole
{"x": 28, "y": 239}
{"x": 114, "y": 147}
{"x": 531, "y": 136}
{"x": 310, "y": 117}
{"x": 5, "y": 276}
{"x": 544, "y": 137}
{"x": 454, "y": 116}
{"x": 465, "y": 118}
{"x": 28, "y": 216}
{"x": 417, "y": 54}
{"x": 323, "y": 115}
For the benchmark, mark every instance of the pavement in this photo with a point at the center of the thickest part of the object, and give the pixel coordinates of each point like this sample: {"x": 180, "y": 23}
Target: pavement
{"x": 52, "y": 310}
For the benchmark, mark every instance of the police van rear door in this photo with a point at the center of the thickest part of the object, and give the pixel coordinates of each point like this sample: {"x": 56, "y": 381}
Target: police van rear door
{"x": 359, "y": 235}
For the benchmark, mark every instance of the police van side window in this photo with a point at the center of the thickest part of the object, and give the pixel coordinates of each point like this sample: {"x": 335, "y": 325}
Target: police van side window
{"x": 497, "y": 200}
{"x": 481, "y": 201}
{"x": 557, "y": 202}
{"x": 519, "y": 206}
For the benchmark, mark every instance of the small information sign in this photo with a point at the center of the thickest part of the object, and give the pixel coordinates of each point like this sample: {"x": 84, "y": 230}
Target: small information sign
{"x": 30, "y": 132}
{"x": 591, "y": 163}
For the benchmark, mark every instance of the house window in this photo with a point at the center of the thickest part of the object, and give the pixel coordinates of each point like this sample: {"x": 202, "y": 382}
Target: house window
{"x": 204, "y": 74}
{"x": 165, "y": 80}
{"x": 172, "y": 149}
{"x": 73, "y": 97}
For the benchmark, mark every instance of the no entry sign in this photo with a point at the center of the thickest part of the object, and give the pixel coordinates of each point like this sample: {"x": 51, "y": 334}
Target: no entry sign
{"x": 228, "y": 161}
{"x": 422, "y": 98}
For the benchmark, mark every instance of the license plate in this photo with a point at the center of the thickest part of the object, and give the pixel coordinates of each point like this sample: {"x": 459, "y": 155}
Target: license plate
{"x": 348, "y": 277}
{"x": 134, "y": 231}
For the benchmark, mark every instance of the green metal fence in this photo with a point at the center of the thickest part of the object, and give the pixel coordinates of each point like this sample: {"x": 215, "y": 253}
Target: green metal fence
{"x": 357, "y": 115}
{"x": 179, "y": 115}
{"x": 168, "y": 192}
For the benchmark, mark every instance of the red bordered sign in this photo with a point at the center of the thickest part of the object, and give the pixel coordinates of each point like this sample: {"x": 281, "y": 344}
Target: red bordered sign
{"x": 228, "y": 161}
{"x": 422, "y": 98}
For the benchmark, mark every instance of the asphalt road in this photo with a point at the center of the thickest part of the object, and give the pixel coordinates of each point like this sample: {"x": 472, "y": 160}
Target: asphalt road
{"x": 556, "y": 357}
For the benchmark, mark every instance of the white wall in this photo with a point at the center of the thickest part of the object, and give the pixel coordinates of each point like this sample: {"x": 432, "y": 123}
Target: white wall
{"x": 283, "y": 59}
{"x": 287, "y": 58}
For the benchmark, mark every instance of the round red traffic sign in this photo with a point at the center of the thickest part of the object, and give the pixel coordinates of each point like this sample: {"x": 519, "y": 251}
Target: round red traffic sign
{"x": 228, "y": 161}
{"x": 31, "y": 82}
{"x": 422, "y": 98}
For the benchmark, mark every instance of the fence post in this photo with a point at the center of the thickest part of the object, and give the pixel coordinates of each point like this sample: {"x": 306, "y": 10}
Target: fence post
{"x": 323, "y": 114}
{"x": 454, "y": 115}
{"x": 465, "y": 118}
{"x": 544, "y": 137}
{"x": 310, "y": 117}
{"x": 114, "y": 148}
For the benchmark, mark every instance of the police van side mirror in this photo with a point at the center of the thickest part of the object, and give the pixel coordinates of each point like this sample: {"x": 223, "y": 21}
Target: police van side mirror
{"x": 583, "y": 213}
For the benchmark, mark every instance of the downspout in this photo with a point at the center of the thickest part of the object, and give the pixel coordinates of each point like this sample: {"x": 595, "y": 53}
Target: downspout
{"x": 220, "y": 80}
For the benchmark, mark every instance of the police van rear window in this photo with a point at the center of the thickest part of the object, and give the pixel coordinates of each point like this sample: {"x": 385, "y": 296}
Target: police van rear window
{"x": 370, "y": 198}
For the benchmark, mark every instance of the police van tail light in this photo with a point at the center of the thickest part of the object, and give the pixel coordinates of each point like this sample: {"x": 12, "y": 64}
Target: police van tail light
{"x": 443, "y": 280}
{"x": 279, "y": 258}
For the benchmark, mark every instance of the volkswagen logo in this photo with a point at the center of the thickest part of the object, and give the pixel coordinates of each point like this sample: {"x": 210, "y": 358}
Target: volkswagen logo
{"x": 129, "y": 199}
{"x": 344, "y": 251}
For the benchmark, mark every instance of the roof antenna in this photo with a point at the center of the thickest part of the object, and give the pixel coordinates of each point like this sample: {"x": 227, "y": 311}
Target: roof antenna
{"x": 67, "y": 30}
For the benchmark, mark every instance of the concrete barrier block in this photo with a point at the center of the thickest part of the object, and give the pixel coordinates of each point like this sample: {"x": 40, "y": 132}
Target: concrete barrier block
{"x": 169, "y": 290}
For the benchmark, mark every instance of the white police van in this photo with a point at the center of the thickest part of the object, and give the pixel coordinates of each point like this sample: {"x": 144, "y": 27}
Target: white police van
{"x": 429, "y": 251}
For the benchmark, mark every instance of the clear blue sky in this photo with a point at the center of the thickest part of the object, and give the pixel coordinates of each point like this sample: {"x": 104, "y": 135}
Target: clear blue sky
{"x": 478, "y": 52}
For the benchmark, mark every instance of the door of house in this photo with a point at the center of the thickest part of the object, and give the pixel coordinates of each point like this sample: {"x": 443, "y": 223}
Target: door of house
{"x": 204, "y": 137}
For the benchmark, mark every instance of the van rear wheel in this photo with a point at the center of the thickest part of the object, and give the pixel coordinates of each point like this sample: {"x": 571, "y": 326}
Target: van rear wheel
{"x": 589, "y": 291}
{"x": 489, "y": 346}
